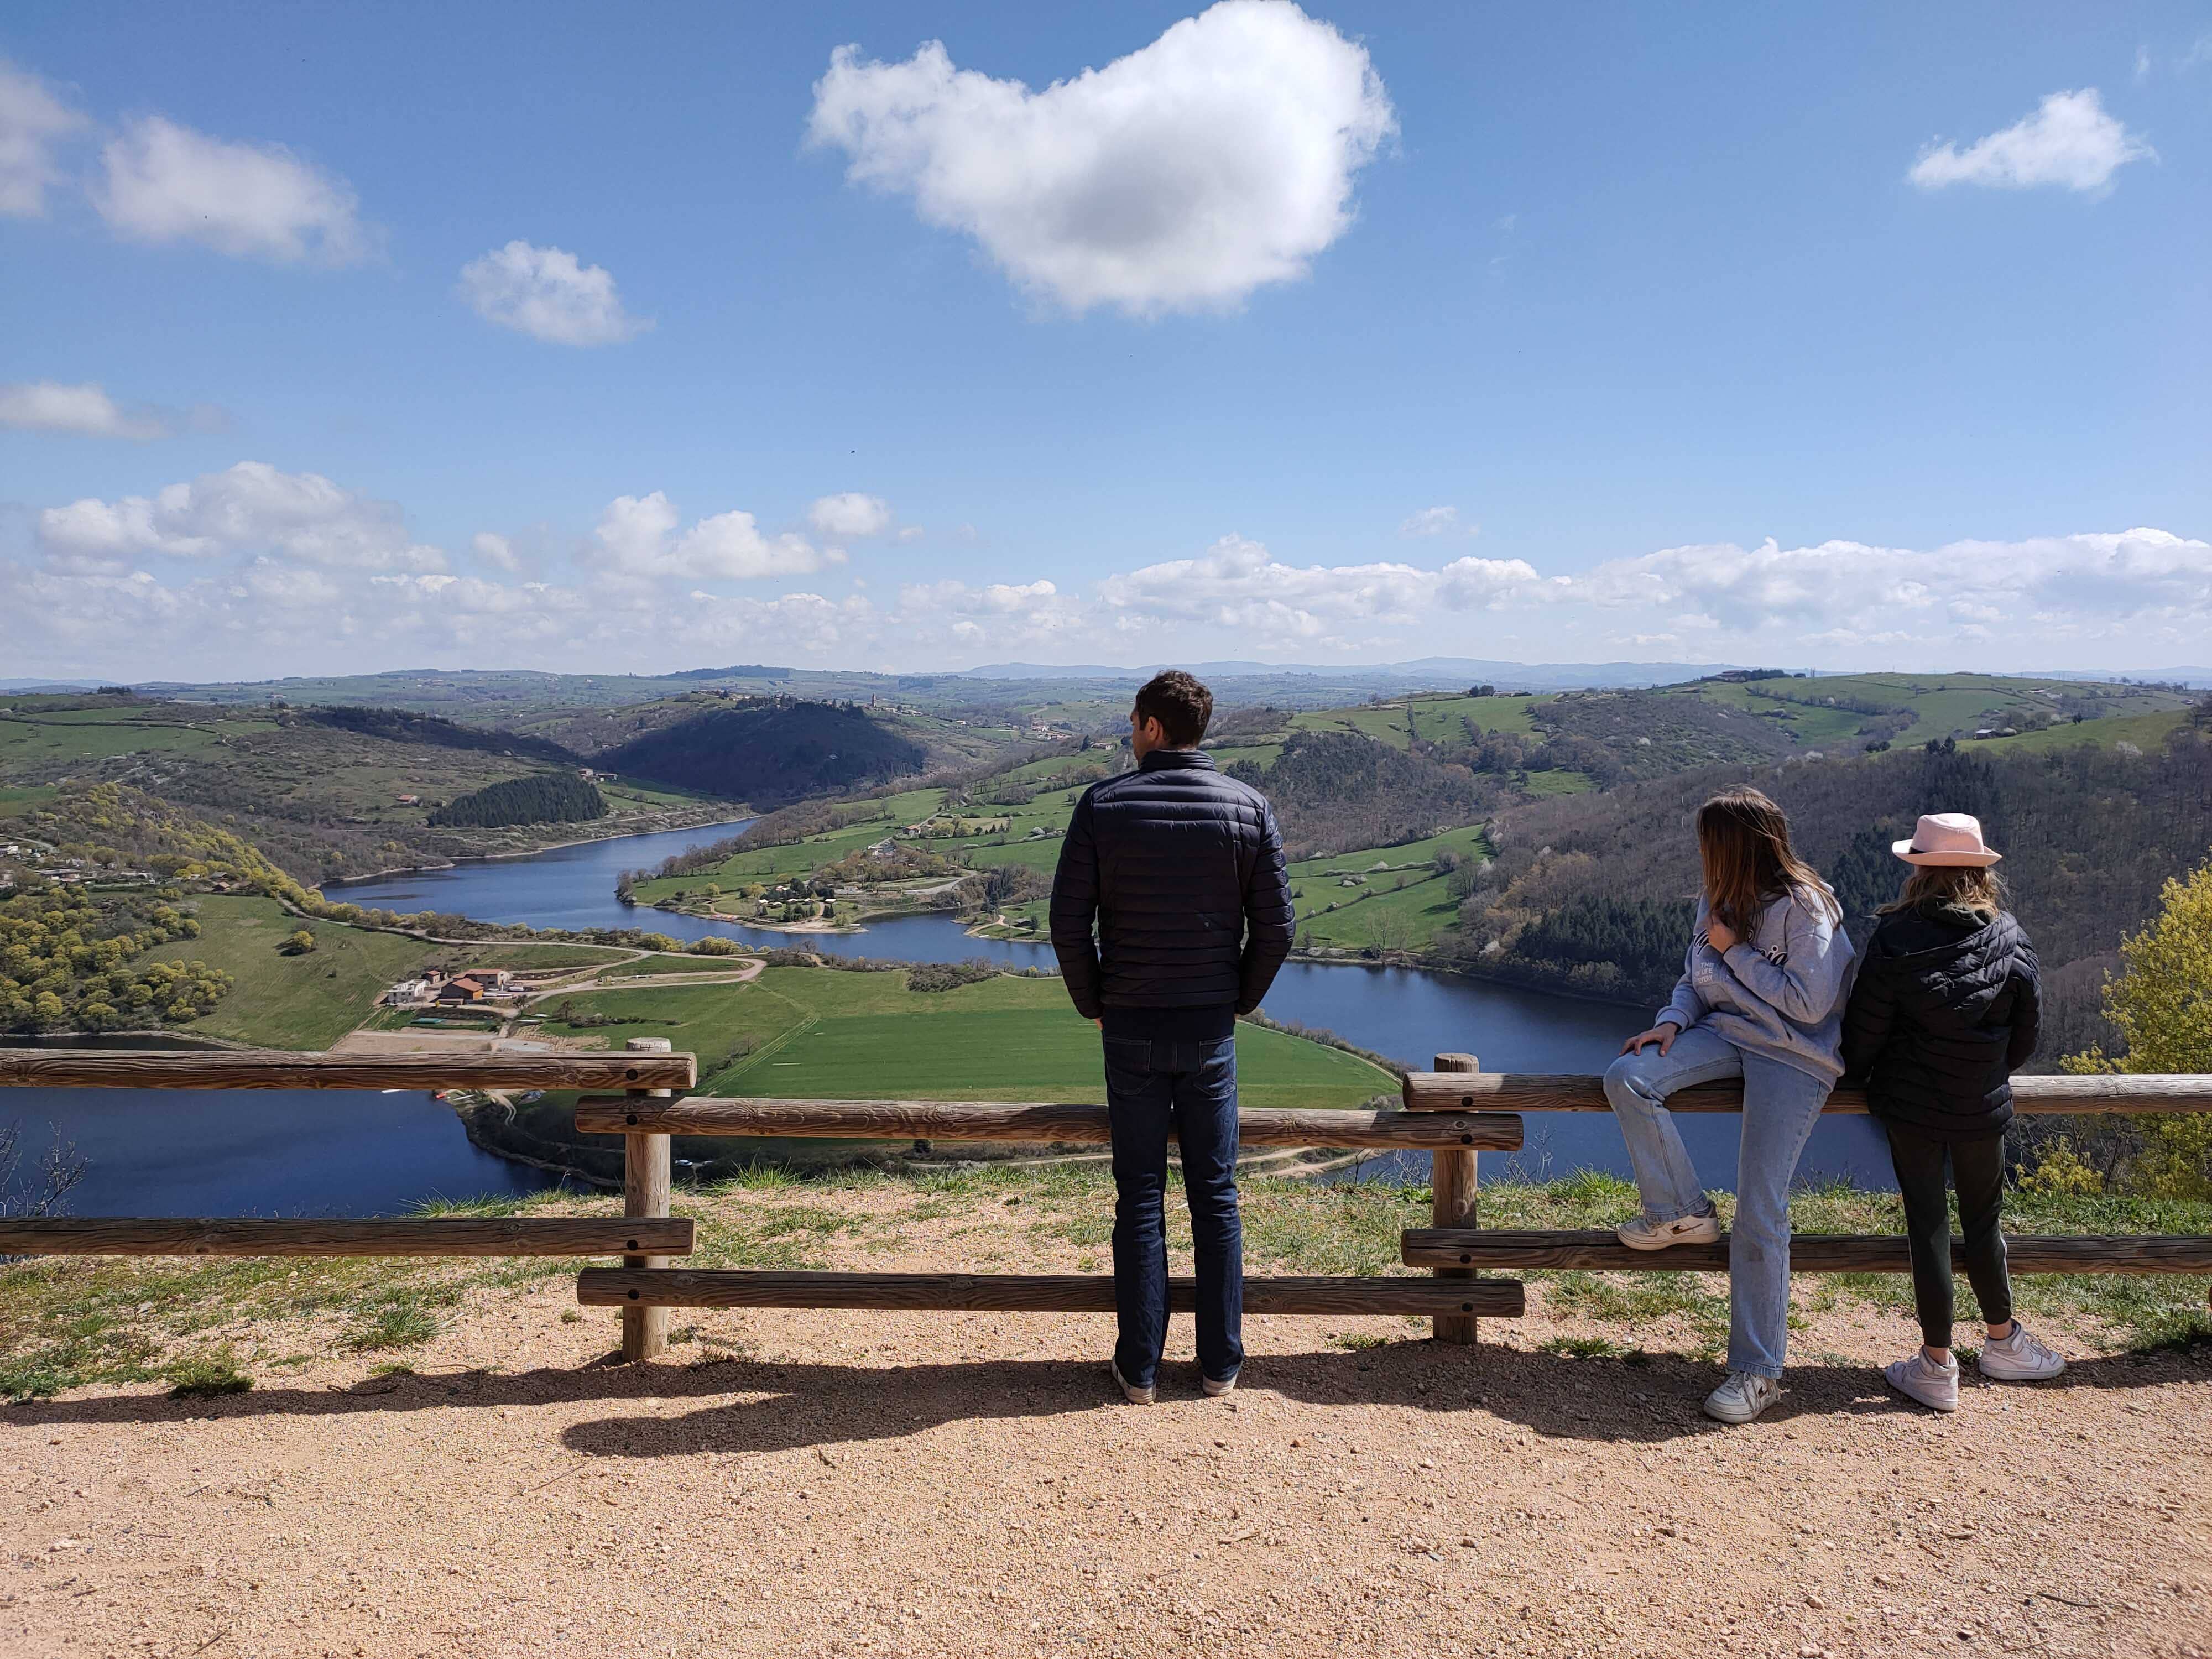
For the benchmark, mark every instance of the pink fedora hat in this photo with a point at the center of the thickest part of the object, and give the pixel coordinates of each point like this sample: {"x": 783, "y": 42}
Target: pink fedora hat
{"x": 1947, "y": 838}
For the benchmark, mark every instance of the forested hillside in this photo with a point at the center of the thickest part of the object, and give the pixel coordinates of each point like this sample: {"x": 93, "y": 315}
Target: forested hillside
{"x": 1580, "y": 883}
{"x": 545, "y": 797}
{"x": 769, "y": 752}
{"x": 1333, "y": 791}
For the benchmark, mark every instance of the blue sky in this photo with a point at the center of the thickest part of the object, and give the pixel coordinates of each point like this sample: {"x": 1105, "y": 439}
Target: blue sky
{"x": 1873, "y": 337}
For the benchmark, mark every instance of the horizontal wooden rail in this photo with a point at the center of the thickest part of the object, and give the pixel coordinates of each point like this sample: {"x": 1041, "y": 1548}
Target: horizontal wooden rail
{"x": 927, "y": 1120}
{"x": 1512, "y": 1091}
{"x": 170, "y": 1068}
{"x": 679, "y": 1287}
{"x": 472, "y": 1235}
{"x": 1809, "y": 1252}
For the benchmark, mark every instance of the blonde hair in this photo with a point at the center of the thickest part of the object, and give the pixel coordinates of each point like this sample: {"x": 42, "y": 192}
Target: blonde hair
{"x": 1743, "y": 843}
{"x": 1968, "y": 886}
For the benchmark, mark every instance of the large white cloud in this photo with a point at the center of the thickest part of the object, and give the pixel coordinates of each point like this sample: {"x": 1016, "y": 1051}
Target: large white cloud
{"x": 251, "y": 508}
{"x": 1217, "y": 159}
{"x": 637, "y": 537}
{"x": 85, "y": 410}
{"x": 166, "y": 183}
{"x": 549, "y": 295}
{"x": 33, "y": 120}
{"x": 2070, "y": 141}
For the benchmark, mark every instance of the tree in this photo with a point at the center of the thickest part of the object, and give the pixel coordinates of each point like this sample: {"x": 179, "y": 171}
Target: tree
{"x": 299, "y": 944}
{"x": 2162, "y": 1005}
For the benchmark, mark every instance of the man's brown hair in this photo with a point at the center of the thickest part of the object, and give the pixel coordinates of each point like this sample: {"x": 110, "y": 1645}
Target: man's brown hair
{"x": 1181, "y": 706}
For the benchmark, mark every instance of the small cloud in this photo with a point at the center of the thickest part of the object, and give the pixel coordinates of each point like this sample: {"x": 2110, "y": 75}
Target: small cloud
{"x": 88, "y": 412}
{"x": 549, "y": 295}
{"x": 639, "y": 539}
{"x": 166, "y": 183}
{"x": 849, "y": 517}
{"x": 2070, "y": 141}
{"x": 1503, "y": 223}
{"x": 912, "y": 532}
{"x": 1435, "y": 521}
{"x": 495, "y": 550}
{"x": 32, "y": 121}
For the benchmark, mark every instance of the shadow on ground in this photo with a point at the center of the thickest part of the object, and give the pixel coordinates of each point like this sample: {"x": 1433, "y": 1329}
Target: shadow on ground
{"x": 742, "y": 1405}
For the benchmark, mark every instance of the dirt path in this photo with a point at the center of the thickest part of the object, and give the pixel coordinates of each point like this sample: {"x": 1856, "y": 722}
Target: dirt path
{"x": 871, "y": 1484}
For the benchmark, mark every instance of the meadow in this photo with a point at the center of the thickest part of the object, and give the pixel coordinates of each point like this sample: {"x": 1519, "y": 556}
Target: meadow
{"x": 831, "y": 1034}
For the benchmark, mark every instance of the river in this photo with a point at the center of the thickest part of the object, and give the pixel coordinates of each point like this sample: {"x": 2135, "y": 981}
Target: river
{"x": 319, "y": 1154}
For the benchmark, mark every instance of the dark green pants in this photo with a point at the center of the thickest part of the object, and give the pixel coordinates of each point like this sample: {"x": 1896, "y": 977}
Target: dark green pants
{"x": 1978, "y": 1171}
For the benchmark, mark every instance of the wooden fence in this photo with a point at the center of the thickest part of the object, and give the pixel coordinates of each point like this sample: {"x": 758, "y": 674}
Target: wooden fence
{"x": 1454, "y": 1112}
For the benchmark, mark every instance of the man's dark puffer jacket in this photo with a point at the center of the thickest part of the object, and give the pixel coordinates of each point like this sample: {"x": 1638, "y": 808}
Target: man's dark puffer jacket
{"x": 1178, "y": 862}
{"x": 1947, "y": 1005}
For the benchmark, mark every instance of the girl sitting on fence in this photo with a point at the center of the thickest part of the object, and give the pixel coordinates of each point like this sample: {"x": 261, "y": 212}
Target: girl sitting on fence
{"x": 1946, "y": 1009}
{"x": 1761, "y": 998}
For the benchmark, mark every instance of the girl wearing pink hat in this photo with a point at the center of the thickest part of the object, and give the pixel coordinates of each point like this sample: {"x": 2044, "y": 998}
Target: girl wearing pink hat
{"x": 1946, "y": 1008}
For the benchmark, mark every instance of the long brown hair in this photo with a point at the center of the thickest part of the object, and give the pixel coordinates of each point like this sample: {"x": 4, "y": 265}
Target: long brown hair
{"x": 1743, "y": 841}
{"x": 1968, "y": 886}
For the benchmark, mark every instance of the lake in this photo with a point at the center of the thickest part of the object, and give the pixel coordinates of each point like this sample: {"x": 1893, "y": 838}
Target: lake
{"x": 278, "y": 1153}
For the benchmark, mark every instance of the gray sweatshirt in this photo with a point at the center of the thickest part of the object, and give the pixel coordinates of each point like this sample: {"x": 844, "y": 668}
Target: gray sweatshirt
{"x": 1780, "y": 991}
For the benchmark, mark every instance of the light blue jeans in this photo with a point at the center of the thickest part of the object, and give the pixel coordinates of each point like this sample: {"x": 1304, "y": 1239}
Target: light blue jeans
{"x": 1781, "y": 1104}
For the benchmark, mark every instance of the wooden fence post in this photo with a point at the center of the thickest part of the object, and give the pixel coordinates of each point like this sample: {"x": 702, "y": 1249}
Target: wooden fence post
{"x": 645, "y": 1192}
{"x": 1452, "y": 1181}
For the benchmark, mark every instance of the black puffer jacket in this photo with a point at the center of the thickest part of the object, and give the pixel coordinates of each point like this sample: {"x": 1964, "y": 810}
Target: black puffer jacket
{"x": 1183, "y": 869}
{"x": 1947, "y": 1005}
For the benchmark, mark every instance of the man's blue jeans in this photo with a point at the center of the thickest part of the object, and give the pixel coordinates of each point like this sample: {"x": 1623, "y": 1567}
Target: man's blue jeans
{"x": 1781, "y": 1104}
{"x": 1192, "y": 1087}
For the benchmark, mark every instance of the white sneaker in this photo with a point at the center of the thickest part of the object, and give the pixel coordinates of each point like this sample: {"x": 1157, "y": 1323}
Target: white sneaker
{"x": 1921, "y": 1378}
{"x": 1644, "y": 1234}
{"x": 1742, "y": 1397}
{"x": 2019, "y": 1358}
{"x": 1227, "y": 1385}
{"x": 1130, "y": 1392}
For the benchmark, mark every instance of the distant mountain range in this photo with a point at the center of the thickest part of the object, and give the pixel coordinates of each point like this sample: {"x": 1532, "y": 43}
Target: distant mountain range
{"x": 1422, "y": 671}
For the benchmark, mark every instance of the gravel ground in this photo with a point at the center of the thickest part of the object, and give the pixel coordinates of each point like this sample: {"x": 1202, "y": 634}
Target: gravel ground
{"x": 794, "y": 1483}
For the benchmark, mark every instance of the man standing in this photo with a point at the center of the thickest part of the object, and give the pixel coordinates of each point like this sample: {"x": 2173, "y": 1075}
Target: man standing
{"x": 1183, "y": 869}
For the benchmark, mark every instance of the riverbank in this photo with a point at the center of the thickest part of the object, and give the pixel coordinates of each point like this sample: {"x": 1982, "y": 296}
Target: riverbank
{"x": 425, "y": 1446}
{"x": 400, "y": 871}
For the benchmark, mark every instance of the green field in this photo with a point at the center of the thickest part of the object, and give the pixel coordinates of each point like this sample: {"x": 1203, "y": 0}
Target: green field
{"x": 1942, "y": 705}
{"x": 307, "y": 1001}
{"x": 1376, "y": 909}
{"x": 827, "y": 1034}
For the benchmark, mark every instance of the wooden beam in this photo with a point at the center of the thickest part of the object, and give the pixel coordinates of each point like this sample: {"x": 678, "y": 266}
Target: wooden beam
{"x": 679, "y": 1287}
{"x": 938, "y": 1120}
{"x": 1452, "y": 1189}
{"x": 169, "y": 1068}
{"x": 1809, "y": 1252}
{"x": 471, "y": 1235}
{"x": 1509, "y": 1091}
{"x": 645, "y": 1194}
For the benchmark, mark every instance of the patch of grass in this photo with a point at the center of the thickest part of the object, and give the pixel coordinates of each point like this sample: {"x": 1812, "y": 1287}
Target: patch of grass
{"x": 1588, "y": 1347}
{"x": 400, "y": 1319}
{"x": 204, "y": 1376}
{"x": 1358, "y": 1342}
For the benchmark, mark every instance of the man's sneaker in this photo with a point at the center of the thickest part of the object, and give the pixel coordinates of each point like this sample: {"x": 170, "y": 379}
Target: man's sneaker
{"x": 1227, "y": 1385}
{"x": 1130, "y": 1392}
{"x": 2019, "y": 1358}
{"x": 1644, "y": 1234}
{"x": 1742, "y": 1397}
{"x": 1921, "y": 1378}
